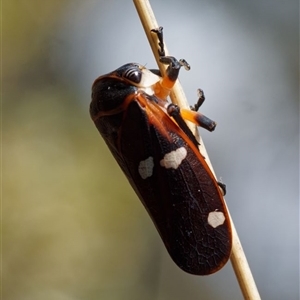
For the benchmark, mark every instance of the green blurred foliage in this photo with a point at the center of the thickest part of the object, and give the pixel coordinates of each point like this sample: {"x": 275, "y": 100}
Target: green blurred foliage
{"x": 71, "y": 225}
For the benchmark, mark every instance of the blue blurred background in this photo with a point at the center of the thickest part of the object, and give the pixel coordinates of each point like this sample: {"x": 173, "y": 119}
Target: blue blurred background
{"x": 72, "y": 228}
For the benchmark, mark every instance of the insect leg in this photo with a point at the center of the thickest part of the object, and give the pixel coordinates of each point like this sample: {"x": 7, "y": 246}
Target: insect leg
{"x": 201, "y": 99}
{"x": 198, "y": 119}
{"x": 174, "y": 65}
{"x": 161, "y": 51}
{"x": 175, "y": 112}
{"x": 223, "y": 187}
{"x": 159, "y": 33}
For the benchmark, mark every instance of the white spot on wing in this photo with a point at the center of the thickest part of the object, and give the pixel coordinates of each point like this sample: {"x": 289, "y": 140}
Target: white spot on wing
{"x": 146, "y": 167}
{"x": 173, "y": 159}
{"x": 215, "y": 218}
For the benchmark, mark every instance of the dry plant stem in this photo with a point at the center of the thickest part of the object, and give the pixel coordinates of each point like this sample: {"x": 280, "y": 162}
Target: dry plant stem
{"x": 242, "y": 269}
{"x": 238, "y": 258}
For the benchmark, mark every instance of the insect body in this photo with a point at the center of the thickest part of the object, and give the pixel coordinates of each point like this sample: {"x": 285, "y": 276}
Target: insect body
{"x": 159, "y": 155}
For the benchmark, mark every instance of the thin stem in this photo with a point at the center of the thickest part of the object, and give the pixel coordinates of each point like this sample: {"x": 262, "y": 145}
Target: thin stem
{"x": 238, "y": 258}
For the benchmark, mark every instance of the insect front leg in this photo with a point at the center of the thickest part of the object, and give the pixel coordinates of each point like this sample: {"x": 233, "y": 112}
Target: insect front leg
{"x": 159, "y": 33}
{"x": 168, "y": 80}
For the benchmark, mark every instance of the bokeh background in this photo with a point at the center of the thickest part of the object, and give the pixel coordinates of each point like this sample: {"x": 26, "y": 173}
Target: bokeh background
{"x": 72, "y": 228}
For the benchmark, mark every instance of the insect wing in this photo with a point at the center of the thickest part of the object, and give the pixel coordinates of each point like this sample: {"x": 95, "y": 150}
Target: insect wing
{"x": 176, "y": 187}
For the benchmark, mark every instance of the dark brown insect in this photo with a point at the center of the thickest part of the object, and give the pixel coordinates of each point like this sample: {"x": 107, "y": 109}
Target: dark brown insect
{"x": 159, "y": 155}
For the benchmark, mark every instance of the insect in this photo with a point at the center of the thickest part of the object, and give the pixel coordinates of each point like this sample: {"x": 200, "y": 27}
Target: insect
{"x": 159, "y": 155}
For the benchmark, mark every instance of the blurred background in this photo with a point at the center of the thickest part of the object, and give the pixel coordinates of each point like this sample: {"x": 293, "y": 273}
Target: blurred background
{"x": 72, "y": 228}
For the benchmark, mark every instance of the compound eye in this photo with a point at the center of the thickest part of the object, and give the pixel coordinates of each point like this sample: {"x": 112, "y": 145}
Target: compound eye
{"x": 133, "y": 74}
